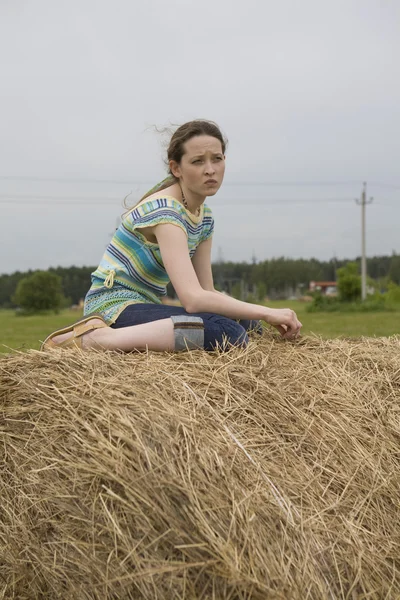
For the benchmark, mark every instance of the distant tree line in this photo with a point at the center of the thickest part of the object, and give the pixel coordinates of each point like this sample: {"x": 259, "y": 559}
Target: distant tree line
{"x": 278, "y": 276}
{"x": 75, "y": 282}
{"x": 272, "y": 277}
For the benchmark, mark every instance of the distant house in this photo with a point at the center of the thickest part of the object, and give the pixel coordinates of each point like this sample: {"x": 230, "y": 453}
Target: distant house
{"x": 327, "y": 288}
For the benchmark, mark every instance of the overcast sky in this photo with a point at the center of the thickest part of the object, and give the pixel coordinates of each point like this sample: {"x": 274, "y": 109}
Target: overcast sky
{"x": 307, "y": 92}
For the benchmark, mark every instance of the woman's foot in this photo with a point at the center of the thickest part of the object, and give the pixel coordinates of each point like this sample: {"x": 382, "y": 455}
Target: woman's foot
{"x": 79, "y": 335}
{"x": 88, "y": 338}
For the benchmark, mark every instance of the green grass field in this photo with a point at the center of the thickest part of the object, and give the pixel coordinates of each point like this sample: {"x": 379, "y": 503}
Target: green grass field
{"x": 19, "y": 332}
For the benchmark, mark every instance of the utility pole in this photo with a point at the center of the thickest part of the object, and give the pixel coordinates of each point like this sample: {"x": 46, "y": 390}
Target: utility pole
{"x": 363, "y": 202}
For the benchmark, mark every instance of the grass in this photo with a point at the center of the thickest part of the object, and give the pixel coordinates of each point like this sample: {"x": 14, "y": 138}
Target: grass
{"x": 337, "y": 324}
{"x": 18, "y": 332}
{"x": 23, "y": 332}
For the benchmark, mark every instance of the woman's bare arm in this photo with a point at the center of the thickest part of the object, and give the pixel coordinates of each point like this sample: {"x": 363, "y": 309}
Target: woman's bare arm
{"x": 201, "y": 262}
{"x": 173, "y": 247}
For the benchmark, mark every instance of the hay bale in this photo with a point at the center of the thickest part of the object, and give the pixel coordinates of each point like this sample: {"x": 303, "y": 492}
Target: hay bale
{"x": 270, "y": 472}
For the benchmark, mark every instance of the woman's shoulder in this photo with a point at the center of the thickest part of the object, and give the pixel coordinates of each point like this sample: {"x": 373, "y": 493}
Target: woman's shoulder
{"x": 158, "y": 195}
{"x": 207, "y": 210}
{"x": 166, "y": 196}
{"x": 156, "y": 202}
{"x": 161, "y": 199}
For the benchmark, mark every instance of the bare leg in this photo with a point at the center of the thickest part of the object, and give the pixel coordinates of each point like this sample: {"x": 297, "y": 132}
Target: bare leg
{"x": 157, "y": 336}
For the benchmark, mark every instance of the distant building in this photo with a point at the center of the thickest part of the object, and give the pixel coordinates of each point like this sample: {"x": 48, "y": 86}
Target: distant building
{"x": 327, "y": 288}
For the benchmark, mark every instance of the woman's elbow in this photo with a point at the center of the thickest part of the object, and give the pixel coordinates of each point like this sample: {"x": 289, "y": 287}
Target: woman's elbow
{"x": 190, "y": 307}
{"x": 192, "y": 303}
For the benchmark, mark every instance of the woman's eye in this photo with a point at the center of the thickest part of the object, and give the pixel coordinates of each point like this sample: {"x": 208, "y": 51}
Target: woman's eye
{"x": 196, "y": 161}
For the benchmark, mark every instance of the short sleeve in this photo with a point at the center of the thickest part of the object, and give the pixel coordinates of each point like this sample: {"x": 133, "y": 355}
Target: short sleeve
{"x": 156, "y": 212}
{"x": 208, "y": 224}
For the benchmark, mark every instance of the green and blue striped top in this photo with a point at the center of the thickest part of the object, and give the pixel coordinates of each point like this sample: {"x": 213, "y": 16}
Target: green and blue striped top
{"x": 131, "y": 270}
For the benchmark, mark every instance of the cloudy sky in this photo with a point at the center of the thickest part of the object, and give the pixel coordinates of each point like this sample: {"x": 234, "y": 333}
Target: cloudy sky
{"x": 307, "y": 92}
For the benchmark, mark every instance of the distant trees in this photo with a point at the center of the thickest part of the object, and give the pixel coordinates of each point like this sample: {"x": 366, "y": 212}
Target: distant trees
{"x": 349, "y": 282}
{"x": 276, "y": 277}
{"x": 393, "y": 294}
{"x": 38, "y": 292}
{"x": 394, "y": 269}
{"x": 8, "y": 285}
{"x": 75, "y": 282}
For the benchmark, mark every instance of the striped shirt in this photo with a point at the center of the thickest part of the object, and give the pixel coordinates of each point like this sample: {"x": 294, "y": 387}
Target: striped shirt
{"x": 131, "y": 270}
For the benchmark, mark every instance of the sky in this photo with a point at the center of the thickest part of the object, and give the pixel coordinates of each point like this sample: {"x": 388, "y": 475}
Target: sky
{"x": 307, "y": 93}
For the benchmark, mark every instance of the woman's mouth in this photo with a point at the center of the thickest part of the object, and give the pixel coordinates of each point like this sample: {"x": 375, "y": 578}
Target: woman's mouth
{"x": 211, "y": 182}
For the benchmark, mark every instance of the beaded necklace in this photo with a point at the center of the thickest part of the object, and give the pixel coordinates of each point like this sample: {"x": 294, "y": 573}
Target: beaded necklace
{"x": 185, "y": 204}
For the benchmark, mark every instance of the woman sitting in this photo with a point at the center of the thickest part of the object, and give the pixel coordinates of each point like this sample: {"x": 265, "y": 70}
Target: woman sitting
{"x": 167, "y": 237}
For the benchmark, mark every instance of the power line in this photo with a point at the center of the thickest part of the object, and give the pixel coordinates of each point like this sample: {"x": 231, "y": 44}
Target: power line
{"x": 63, "y": 203}
{"x": 386, "y": 185}
{"x": 33, "y": 200}
{"x": 40, "y": 199}
{"x": 71, "y": 180}
{"x": 292, "y": 183}
{"x": 128, "y": 181}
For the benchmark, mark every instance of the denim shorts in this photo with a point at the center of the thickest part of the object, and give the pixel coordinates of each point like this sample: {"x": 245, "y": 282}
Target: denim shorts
{"x": 218, "y": 330}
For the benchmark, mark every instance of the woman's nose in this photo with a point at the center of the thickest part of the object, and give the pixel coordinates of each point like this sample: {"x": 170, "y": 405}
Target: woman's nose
{"x": 209, "y": 168}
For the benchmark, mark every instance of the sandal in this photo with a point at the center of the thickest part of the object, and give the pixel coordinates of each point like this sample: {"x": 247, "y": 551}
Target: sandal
{"x": 79, "y": 329}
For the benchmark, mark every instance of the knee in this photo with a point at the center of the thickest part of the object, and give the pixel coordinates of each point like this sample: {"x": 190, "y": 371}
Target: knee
{"x": 225, "y": 333}
{"x": 188, "y": 332}
{"x": 237, "y": 335}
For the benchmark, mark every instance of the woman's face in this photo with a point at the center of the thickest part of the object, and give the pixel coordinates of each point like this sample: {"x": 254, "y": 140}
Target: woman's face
{"x": 202, "y": 167}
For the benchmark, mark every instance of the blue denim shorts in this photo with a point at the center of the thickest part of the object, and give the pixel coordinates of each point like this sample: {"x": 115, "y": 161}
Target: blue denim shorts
{"x": 218, "y": 330}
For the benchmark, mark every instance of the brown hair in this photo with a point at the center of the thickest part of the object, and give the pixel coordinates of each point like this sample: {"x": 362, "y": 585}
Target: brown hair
{"x": 191, "y": 129}
{"x": 176, "y": 147}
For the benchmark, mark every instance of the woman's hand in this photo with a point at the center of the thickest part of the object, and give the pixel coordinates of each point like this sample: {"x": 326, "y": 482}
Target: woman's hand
{"x": 285, "y": 321}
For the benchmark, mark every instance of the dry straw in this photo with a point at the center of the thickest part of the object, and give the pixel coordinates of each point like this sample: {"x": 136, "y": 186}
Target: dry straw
{"x": 271, "y": 472}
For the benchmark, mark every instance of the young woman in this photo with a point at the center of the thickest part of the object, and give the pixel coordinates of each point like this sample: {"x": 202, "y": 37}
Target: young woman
{"x": 166, "y": 237}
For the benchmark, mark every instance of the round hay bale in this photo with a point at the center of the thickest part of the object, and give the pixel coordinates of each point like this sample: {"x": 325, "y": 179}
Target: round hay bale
{"x": 269, "y": 472}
